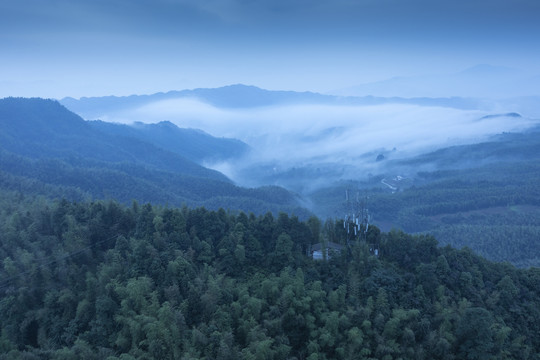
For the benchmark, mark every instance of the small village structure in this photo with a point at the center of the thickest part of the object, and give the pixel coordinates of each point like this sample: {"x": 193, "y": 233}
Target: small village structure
{"x": 324, "y": 250}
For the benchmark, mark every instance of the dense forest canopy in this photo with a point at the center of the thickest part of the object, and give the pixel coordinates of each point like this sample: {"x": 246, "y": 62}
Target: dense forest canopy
{"x": 99, "y": 280}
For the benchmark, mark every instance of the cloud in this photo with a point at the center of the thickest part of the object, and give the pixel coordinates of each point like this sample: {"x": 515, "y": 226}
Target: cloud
{"x": 295, "y": 136}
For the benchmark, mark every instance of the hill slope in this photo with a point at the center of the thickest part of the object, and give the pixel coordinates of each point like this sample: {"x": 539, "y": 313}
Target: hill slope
{"x": 41, "y": 129}
{"x": 43, "y": 146}
{"x": 485, "y": 196}
{"x": 195, "y": 145}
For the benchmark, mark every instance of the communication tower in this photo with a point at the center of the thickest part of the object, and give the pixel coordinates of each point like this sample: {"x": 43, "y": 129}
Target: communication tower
{"x": 357, "y": 221}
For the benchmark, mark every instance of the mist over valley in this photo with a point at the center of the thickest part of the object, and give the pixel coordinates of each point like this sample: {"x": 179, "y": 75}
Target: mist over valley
{"x": 435, "y": 165}
{"x": 328, "y": 138}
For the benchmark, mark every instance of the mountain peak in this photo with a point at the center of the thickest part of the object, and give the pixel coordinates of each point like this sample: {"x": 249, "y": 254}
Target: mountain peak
{"x": 241, "y": 86}
{"x": 166, "y": 125}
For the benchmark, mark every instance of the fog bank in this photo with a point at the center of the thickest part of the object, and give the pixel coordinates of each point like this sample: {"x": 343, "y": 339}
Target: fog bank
{"x": 283, "y": 137}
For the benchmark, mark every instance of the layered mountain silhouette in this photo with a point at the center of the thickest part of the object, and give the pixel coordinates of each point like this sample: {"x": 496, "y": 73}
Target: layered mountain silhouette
{"x": 47, "y": 149}
{"x": 244, "y": 96}
{"x": 479, "y": 81}
{"x": 192, "y": 144}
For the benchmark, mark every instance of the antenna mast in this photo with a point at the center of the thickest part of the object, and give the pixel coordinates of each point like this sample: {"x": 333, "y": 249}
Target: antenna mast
{"x": 357, "y": 220}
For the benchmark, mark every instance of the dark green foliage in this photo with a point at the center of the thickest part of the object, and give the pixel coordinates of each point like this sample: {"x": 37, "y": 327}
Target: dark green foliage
{"x": 98, "y": 280}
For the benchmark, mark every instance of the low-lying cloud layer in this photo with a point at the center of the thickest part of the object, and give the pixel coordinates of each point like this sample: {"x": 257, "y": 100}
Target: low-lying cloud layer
{"x": 352, "y": 136}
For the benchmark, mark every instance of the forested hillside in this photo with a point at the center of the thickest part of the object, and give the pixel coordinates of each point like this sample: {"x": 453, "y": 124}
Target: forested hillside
{"x": 192, "y": 144}
{"x": 98, "y": 280}
{"x": 46, "y": 149}
{"x": 485, "y": 196}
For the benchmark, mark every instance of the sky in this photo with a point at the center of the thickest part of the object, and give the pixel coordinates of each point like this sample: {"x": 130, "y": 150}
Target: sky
{"x": 77, "y": 48}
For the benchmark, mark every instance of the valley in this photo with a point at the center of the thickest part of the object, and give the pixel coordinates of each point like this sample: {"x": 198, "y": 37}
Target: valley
{"x": 130, "y": 230}
{"x": 433, "y": 188}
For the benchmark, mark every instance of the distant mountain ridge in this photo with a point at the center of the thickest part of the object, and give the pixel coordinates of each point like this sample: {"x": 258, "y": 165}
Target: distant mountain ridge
{"x": 231, "y": 96}
{"x": 479, "y": 81}
{"x": 244, "y": 96}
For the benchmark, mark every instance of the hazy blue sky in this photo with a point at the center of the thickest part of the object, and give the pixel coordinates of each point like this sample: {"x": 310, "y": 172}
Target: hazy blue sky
{"x": 76, "y": 48}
